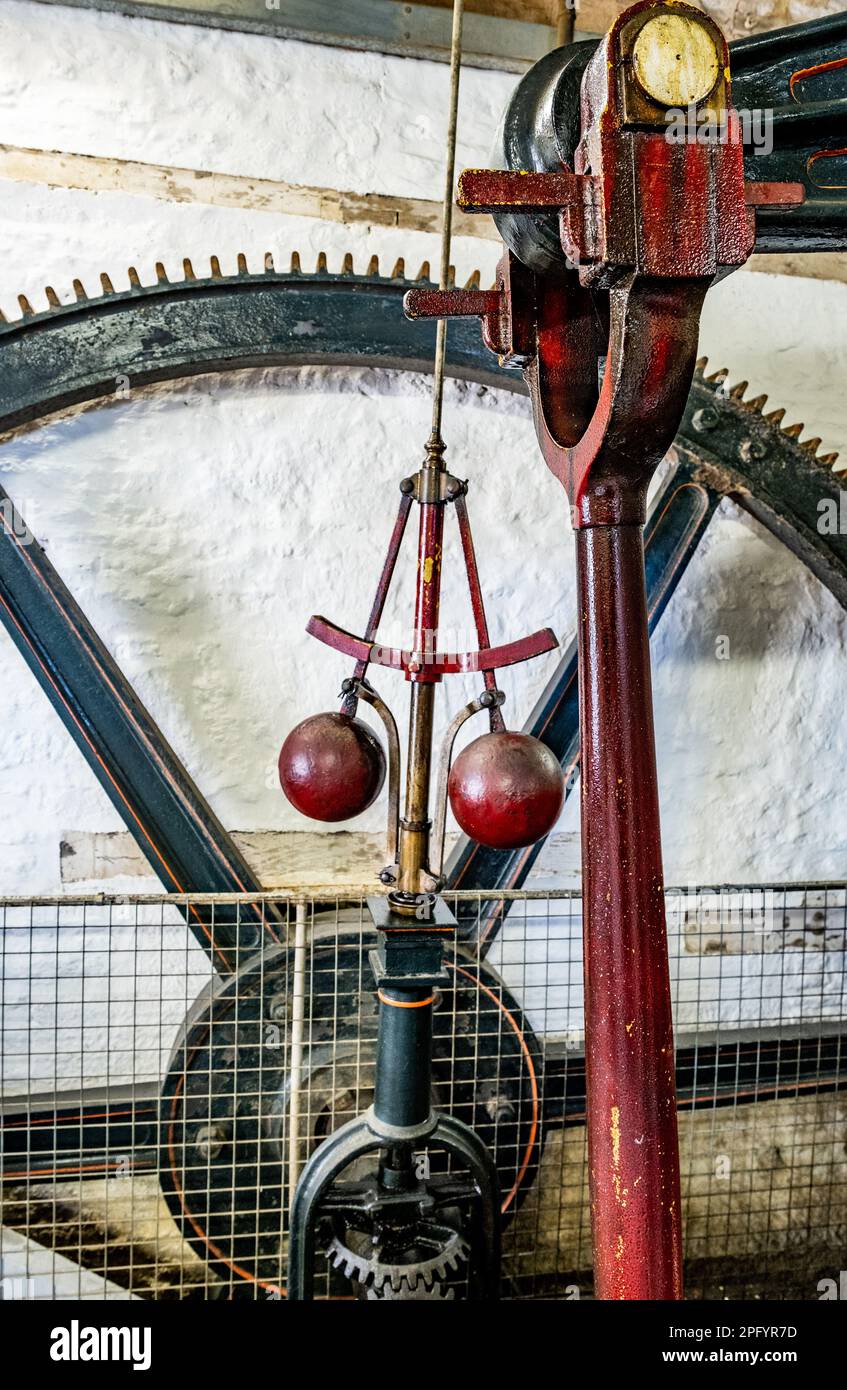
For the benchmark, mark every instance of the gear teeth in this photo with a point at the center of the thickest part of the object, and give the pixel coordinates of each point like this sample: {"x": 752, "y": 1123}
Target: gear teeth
{"x": 216, "y": 268}
{"x": 829, "y": 461}
{"x": 794, "y": 431}
{"x": 53, "y": 298}
{"x": 320, "y": 266}
{"x": 399, "y": 271}
{"x": 105, "y": 284}
{"x": 811, "y": 446}
{"x": 241, "y": 262}
{"x": 776, "y": 417}
{"x": 269, "y": 263}
{"x": 161, "y": 274}
{"x": 133, "y": 278}
{"x": 460, "y": 1254}
{"x": 188, "y": 270}
{"x": 718, "y": 378}
{"x": 736, "y": 392}
{"x": 347, "y": 264}
{"x": 79, "y": 291}
{"x": 294, "y": 268}
{"x": 373, "y": 266}
{"x": 701, "y": 364}
{"x": 26, "y": 308}
{"x": 424, "y": 272}
{"x": 472, "y": 282}
{"x": 758, "y": 404}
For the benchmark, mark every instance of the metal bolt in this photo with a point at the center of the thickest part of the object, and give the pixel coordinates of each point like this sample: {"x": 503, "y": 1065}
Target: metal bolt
{"x": 386, "y": 876}
{"x": 500, "y": 1108}
{"x": 278, "y": 1008}
{"x": 753, "y": 449}
{"x": 210, "y": 1140}
{"x": 705, "y": 419}
{"x": 407, "y": 485}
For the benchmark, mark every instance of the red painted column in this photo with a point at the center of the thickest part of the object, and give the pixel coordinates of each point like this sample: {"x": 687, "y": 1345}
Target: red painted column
{"x": 632, "y": 1136}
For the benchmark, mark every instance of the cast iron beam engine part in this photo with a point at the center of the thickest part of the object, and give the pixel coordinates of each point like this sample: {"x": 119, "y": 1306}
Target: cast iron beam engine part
{"x": 498, "y": 1083}
{"x": 605, "y": 329}
{"x": 403, "y": 1231}
{"x": 57, "y": 358}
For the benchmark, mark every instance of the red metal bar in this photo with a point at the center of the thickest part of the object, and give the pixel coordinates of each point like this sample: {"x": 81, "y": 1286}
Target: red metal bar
{"x": 437, "y": 664}
{"x": 477, "y": 602}
{"x": 428, "y": 581}
{"x": 502, "y": 190}
{"x": 394, "y": 543}
{"x": 632, "y": 1138}
{"x": 453, "y": 304}
{"x": 764, "y": 195}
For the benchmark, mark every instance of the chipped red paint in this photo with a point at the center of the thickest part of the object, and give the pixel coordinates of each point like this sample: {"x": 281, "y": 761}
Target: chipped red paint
{"x": 331, "y": 767}
{"x": 632, "y": 1142}
{"x": 506, "y": 790}
{"x": 427, "y": 592}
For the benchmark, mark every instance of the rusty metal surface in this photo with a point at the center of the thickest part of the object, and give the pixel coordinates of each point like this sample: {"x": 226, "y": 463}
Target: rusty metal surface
{"x": 631, "y": 1116}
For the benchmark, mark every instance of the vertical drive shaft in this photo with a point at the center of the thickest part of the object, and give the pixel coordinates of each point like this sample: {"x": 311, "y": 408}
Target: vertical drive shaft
{"x": 632, "y": 1139}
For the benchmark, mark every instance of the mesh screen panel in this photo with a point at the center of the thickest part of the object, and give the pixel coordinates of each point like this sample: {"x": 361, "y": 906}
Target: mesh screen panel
{"x": 157, "y": 1110}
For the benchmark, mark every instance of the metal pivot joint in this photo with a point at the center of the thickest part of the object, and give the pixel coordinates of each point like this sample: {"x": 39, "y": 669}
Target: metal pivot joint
{"x": 606, "y": 335}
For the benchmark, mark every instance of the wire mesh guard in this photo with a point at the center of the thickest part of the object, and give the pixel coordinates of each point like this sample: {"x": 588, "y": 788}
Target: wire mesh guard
{"x": 157, "y": 1108}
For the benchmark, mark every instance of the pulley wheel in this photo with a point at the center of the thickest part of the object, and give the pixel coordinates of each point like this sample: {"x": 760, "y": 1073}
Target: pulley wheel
{"x": 227, "y": 1096}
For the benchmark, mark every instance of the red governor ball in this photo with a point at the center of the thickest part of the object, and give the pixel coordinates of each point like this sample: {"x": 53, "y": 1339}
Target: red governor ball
{"x": 506, "y": 790}
{"x": 331, "y": 767}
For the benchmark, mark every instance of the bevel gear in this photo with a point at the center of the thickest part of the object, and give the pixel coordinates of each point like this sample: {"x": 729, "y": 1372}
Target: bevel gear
{"x": 409, "y": 1273}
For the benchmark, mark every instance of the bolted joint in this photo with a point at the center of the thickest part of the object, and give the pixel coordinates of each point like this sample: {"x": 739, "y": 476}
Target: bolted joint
{"x": 705, "y": 419}
{"x": 492, "y": 699}
{"x": 210, "y": 1141}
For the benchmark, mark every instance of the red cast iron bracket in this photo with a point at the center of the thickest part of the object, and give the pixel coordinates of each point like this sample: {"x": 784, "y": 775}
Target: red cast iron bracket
{"x": 648, "y": 223}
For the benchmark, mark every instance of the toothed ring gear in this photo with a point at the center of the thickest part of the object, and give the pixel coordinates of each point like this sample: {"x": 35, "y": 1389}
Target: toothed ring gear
{"x": 410, "y": 1266}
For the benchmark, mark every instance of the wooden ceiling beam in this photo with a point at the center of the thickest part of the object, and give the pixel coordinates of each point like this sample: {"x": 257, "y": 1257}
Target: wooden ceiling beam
{"x": 508, "y": 35}
{"x": 596, "y": 16}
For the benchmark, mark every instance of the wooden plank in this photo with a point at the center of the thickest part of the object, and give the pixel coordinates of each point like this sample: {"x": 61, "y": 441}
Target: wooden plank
{"x": 282, "y": 858}
{"x": 95, "y": 174}
{"x": 596, "y": 16}
{"x": 531, "y": 11}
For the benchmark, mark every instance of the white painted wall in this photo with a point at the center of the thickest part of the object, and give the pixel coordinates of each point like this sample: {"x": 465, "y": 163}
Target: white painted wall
{"x": 198, "y": 525}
